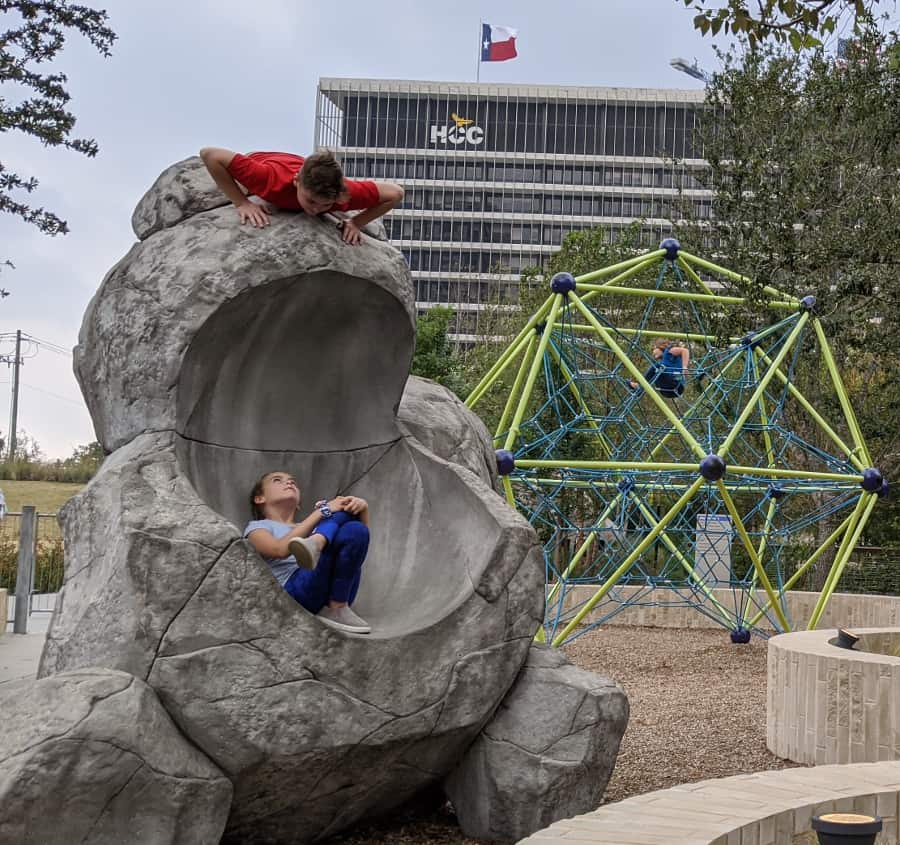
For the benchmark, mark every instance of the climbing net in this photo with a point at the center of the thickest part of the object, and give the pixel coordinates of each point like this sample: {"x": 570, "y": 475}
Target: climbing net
{"x": 719, "y": 496}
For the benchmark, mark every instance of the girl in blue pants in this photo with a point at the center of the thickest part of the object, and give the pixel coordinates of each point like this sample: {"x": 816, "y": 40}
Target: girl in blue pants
{"x": 318, "y": 560}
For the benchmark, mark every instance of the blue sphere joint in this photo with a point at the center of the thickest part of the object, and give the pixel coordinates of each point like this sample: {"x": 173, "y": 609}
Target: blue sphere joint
{"x": 740, "y": 636}
{"x": 747, "y": 339}
{"x": 562, "y": 283}
{"x": 506, "y": 463}
{"x": 776, "y": 492}
{"x": 539, "y": 328}
{"x": 712, "y": 468}
{"x": 808, "y": 303}
{"x": 885, "y": 490}
{"x": 671, "y": 246}
{"x": 872, "y": 480}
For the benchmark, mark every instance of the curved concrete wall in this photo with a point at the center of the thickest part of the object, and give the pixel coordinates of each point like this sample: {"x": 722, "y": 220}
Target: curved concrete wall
{"x": 832, "y": 705}
{"x": 764, "y": 808}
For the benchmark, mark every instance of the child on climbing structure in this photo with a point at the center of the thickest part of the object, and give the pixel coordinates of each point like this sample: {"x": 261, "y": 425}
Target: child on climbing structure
{"x": 315, "y": 185}
{"x": 318, "y": 560}
{"x": 668, "y": 376}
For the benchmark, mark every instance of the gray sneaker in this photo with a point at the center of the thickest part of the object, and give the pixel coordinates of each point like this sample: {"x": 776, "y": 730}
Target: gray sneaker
{"x": 344, "y": 619}
{"x": 305, "y": 551}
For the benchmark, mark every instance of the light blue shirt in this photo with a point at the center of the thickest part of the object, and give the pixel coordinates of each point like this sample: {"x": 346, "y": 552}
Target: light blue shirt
{"x": 282, "y": 567}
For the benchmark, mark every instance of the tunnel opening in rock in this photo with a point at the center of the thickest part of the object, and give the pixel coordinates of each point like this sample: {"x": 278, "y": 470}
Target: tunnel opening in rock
{"x": 305, "y": 375}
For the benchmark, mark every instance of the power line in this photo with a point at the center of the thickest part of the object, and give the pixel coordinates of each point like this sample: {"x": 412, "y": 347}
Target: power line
{"x": 54, "y": 395}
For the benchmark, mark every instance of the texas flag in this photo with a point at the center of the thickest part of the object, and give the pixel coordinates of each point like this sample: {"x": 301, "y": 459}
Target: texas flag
{"x": 498, "y": 43}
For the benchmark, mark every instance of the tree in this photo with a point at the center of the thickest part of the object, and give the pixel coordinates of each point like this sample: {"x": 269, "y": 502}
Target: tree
{"x": 33, "y": 34}
{"x": 800, "y": 23}
{"x": 803, "y": 159}
{"x": 435, "y": 358}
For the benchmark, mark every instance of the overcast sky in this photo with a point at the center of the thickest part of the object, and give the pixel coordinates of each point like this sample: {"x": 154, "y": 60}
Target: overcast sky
{"x": 243, "y": 75}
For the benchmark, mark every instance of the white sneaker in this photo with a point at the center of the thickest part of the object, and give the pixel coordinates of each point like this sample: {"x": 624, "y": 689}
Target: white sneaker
{"x": 344, "y": 619}
{"x": 305, "y": 551}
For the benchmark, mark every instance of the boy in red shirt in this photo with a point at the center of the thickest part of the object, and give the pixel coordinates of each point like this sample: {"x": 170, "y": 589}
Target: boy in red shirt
{"x": 315, "y": 185}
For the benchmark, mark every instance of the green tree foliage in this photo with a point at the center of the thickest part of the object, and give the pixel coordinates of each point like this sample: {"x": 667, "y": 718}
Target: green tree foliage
{"x": 435, "y": 357}
{"x": 29, "y": 464}
{"x": 804, "y": 152}
{"x": 34, "y": 101}
{"x": 800, "y": 23}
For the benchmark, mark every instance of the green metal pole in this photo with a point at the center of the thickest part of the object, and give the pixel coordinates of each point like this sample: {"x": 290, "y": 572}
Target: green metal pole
{"x": 838, "y": 567}
{"x": 671, "y": 466}
{"x": 845, "y": 544}
{"x": 685, "y": 563}
{"x": 626, "y": 564}
{"x": 715, "y": 298}
{"x": 639, "y": 378}
{"x": 696, "y": 404}
{"x": 801, "y": 571}
{"x": 610, "y": 286}
{"x": 584, "y": 547}
{"x": 510, "y": 352}
{"x": 532, "y": 373}
{"x": 807, "y": 405}
{"x": 573, "y": 387}
{"x": 737, "y": 277}
{"x": 761, "y": 387}
{"x": 622, "y": 265}
{"x": 760, "y": 551}
{"x": 852, "y": 423}
{"x": 516, "y": 387}
{"x": 604, "y": 484}
{"x": 693, "y": 275}
{"x": 751, "y": 552}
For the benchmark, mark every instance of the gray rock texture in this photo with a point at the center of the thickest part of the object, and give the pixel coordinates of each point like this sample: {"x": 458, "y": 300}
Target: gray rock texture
{"x": 435, "y": 417}
{"x": 91, "y": 756}
{"x": 547, "y": 754}
{"x": 211, "y": 354}
{"x": 185, "y": 189}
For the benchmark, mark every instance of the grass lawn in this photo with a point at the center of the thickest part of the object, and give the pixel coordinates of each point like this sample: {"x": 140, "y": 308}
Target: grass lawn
{"x": 46, "y": 496}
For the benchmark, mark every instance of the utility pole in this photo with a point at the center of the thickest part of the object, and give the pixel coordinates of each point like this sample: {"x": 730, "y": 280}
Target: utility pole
{"x": 14, "y": 405}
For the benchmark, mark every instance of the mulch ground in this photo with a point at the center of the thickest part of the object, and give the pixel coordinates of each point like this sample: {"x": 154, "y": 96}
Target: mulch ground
{"x": 698, "y": 710}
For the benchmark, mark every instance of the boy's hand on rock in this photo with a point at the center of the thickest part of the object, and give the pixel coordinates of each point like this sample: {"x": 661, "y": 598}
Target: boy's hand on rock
{"x": 350, "y": 232}
{"x": 254, "y": 214}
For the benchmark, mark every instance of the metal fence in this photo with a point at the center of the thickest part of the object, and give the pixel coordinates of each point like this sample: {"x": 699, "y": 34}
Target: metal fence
{"x": 47, "y": 568}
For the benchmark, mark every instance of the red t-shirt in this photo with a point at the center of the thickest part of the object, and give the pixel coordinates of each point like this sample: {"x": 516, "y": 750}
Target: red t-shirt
{"x": 270, "y": 176}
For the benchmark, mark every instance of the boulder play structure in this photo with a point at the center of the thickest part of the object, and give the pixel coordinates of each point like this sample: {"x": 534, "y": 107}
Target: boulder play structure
{"x": 183, "y": 696}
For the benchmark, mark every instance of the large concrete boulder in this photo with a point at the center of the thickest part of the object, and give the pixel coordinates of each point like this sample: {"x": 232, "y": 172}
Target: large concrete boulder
{"x": 435, "y": 417}
{"x": 91, "y": 756}
{"x": 213, "y": 353}
{"x": 547, "y": 754}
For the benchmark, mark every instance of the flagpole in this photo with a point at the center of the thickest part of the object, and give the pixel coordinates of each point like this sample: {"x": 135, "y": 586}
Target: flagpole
{"x": 478, "y": 53}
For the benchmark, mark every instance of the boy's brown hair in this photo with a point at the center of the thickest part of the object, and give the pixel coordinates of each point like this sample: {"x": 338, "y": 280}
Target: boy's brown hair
{"x": 322, "y": 176}
{"x": 662, "y": 343}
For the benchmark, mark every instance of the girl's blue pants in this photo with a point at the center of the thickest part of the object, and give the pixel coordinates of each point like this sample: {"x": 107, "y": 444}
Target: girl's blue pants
{"x": 339, "y": 570}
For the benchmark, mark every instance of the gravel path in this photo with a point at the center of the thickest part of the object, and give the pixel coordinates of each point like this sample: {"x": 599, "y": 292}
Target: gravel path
{"x": 698, "y": 710}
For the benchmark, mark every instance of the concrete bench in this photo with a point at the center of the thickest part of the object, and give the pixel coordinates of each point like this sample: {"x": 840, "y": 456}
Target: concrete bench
{"x": 764, "y": 808}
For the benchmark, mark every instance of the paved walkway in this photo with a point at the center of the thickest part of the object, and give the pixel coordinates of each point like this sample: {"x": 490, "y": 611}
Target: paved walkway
{"x": 20, "y": 653}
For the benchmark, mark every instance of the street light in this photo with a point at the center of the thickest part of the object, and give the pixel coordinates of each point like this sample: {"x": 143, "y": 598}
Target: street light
{"x": 693, "y": 70}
